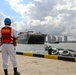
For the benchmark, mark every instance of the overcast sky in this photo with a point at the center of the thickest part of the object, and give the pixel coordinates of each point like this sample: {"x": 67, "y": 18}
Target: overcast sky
{"x": 55, "y": 17}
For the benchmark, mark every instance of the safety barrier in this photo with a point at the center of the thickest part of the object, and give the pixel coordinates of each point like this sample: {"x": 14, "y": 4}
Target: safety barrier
{"x": 65, "y": 58}
{"x": 0, "y": 50}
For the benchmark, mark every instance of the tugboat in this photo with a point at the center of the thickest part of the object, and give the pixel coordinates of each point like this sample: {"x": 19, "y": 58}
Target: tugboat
{"x": 31, "y": 37}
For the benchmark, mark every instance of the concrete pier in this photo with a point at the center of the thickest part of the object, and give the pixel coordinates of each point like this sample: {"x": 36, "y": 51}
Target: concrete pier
{"x": 40, "y": 66}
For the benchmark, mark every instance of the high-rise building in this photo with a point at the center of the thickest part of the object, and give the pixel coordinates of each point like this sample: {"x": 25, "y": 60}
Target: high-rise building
{"x": 60, "y": 39}
{"x": 53, "y": 38}
{"x": 48, "y": 38}
{"x": 65, "y": 38}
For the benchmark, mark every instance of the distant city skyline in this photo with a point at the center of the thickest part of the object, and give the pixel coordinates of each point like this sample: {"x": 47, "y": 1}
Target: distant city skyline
{"x": 61, "y": 38}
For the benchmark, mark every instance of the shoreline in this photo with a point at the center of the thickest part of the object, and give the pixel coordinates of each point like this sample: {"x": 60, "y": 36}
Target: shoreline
{"x": 40, "y": 66}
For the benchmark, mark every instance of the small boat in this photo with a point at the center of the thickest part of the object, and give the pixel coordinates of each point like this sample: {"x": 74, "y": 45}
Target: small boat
{"x": 54, "y": 42}
{"x": 60, "y": 51}
{"x": 65, "y": 53}
{"x": 53, "y": 51}
{"x": 69, "y": 52}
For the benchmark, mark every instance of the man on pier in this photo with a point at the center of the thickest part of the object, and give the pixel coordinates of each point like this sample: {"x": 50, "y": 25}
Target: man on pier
{"x": 8, "y": 42}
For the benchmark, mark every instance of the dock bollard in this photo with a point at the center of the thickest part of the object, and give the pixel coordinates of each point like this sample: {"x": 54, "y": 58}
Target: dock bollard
{"x": 49, "y": 49}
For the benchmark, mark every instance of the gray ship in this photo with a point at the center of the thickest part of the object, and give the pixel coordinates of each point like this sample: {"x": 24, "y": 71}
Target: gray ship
{"x": 31, "y": 37}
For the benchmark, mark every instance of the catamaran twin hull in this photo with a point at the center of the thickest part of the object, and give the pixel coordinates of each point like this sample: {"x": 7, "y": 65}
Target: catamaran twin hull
{"x": 33, "y": 39}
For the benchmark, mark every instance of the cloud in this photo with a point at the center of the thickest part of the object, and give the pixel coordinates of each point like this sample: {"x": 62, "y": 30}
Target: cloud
{"x": 55, "y": 17}
{"x": 1, "y": 19}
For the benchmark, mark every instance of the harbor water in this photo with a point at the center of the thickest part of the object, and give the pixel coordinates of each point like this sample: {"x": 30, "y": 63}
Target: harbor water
{"x": 34, "y": 48}
{"x": 40, "y": 48}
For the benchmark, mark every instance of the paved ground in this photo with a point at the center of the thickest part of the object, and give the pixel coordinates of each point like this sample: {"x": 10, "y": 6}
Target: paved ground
{"x": 41, "y": 66}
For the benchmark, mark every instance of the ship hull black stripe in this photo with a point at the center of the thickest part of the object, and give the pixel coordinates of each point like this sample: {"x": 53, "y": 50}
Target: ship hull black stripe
{"x": 38, "y": 55}
{"x": 66, "y": 58}
{"x": 19, "y": 53}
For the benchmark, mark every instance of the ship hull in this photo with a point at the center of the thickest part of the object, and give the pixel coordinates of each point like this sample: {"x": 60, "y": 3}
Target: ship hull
{"x": 22, "y": 41}
{"x": 32, "y": 39}
{"x": 36, "y": 40}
